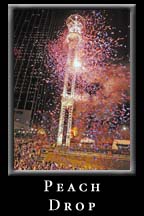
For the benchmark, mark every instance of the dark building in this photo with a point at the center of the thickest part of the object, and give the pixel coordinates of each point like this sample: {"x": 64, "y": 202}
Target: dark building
{"x": 32, "y": 28}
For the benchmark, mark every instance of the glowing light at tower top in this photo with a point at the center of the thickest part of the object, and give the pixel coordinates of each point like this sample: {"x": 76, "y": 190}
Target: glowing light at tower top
{"x": 98, "y": 42}
{"x": 75, "y": 23}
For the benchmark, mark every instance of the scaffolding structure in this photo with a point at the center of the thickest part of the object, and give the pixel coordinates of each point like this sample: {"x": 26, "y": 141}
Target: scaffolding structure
{"x": 75, "y": 25}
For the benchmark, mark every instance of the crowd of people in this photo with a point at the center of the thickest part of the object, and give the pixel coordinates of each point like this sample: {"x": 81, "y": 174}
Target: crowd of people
{"x": 36, "y": 155}
{"x": 28, "y": 156}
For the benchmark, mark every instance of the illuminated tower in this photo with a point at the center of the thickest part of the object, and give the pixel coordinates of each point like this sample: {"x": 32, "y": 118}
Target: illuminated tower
{"x": 75, "y": 25}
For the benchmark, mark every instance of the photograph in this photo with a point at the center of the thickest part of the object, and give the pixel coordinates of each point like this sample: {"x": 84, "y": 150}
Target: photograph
{"x": 71, "y": 84}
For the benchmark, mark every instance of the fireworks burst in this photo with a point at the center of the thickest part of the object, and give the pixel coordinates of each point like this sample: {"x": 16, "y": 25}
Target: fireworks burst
{"x": 103, "y": 80}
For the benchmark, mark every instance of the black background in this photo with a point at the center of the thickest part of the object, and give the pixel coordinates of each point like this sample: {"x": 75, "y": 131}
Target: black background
{"x": 25, "y": 194}
{"x": 118, "y": 194}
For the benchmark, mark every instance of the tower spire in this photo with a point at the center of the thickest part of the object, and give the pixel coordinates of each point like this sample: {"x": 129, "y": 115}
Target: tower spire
{"x": 75, "y": 25}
